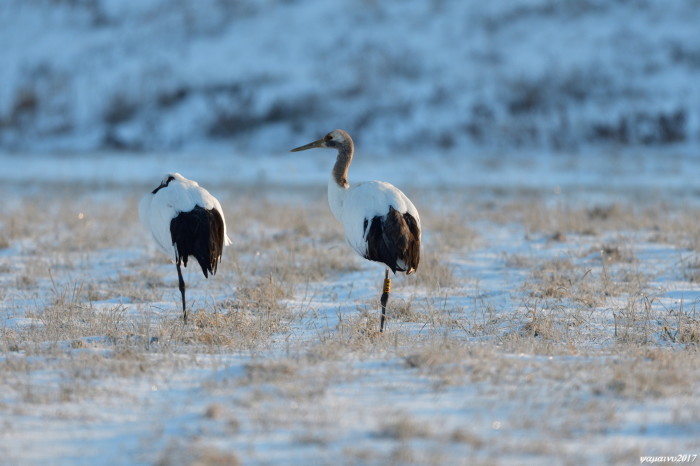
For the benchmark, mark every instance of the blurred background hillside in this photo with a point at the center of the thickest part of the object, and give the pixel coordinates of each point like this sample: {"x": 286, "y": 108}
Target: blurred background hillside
{"x": 414, "y": 75}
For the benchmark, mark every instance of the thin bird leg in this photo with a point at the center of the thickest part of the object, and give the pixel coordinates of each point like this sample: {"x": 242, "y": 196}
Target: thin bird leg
{"x": 385, "y": 298}
{"x": 182, "y": 290}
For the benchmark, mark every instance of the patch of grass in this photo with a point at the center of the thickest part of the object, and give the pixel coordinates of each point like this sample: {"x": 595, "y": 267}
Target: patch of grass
{"x": 682, "y": 325}
{"x": 403, "y": 310}
{"x": 650, "y": 373}
{"x": 269, "y": 371}
{"x": 691, "y": 269}
{"x": 448, "y": 232}
{"x": 433, "y": 273}
{"x": 561, "y": 280}
{"x": 194, "y": 452}
{"x": 403, "y": 427}
{"x": 636, "y": 322}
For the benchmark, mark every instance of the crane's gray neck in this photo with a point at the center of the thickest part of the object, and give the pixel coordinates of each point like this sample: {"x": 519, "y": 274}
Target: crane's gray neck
{"x": 342, "y": 163}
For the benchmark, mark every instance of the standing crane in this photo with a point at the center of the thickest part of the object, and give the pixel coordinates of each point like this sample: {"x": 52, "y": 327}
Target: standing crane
{"x": 381, "y": 224}
{"x": 185, "y": 220}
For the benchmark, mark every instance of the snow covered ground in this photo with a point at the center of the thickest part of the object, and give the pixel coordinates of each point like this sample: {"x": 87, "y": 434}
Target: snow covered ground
{"x": 550, "y": 146}
{"x": 163, "y": 74}
{"x": 553, "y": 317}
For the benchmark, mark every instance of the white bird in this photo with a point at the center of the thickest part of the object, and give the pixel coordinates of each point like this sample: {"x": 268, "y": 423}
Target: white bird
{"x": 381, "y": 224}
{"x": 185, "y": 220}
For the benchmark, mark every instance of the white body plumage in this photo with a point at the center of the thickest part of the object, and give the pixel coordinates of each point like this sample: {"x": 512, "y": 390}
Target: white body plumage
{"x": 176, "y": 194}
{"x": 353, "y": 204}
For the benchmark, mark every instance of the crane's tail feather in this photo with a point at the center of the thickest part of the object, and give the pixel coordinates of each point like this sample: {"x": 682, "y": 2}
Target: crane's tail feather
{"x": 199, "y": 233}
{"x": 395, "y": 241}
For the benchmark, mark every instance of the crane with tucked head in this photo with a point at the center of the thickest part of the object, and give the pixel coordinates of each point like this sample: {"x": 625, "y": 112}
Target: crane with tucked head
{"x": 381, "y": 224}
{"x": 185, "y": 220}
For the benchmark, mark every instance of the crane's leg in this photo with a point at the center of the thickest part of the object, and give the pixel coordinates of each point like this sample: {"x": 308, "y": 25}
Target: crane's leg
{"x": 385, "y": 298}
{"x": 181, "y": 282}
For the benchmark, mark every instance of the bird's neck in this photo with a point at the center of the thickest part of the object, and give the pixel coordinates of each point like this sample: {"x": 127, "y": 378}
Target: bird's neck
{"x": 342, "y": 163}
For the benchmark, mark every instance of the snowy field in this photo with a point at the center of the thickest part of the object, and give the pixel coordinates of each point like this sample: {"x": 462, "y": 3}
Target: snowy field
{"x": 551, "y": 147}
{"x": 412, "y": 74}
{"x": 553, "y": 317}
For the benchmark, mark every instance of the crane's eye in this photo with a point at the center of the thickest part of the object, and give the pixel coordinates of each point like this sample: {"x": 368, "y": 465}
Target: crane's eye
{"x": 328, "y": 137}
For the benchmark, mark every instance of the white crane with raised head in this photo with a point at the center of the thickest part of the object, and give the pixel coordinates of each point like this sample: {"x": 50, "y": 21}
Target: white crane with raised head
{"x": 381, "y": 224}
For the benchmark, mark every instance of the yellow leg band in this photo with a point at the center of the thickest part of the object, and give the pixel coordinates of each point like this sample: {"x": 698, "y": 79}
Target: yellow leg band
{"x": 387, "y": 285}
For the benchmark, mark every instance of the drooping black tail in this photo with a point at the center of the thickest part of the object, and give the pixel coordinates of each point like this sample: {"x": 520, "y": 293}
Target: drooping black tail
{"x": 412, "y": 252}
{"x": 395, "y": 241}
{"x": 199, "y": 233}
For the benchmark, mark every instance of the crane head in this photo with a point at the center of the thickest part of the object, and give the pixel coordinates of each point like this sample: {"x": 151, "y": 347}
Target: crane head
{"x": 333, "y": 140}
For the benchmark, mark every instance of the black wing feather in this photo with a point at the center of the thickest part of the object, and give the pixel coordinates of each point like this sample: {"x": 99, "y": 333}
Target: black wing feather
{"x": 199, "y": 233}
{"x": 394, "y": 238}
{"x": 412, "y": 252}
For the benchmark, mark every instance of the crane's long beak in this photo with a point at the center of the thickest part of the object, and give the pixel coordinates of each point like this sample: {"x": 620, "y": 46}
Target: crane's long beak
{"x": 311, "y": 145}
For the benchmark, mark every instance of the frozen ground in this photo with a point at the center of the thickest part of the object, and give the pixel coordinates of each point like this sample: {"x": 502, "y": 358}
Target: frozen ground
{"x": 553, "y": 317}
{"x": 550, "y": 146}
{"x": 164, "y": 75}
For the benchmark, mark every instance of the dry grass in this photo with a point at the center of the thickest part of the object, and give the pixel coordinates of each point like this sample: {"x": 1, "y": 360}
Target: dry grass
{"x": 403, "y": 427}
{"x": 562, "y": 280}
{"x": 434, "y": 273}
{"x": 195, "y": 453}
{"x": 581, "y": 336}
{"x": 650, "y": 373}
{"x": 561, "y": 220}
{"x": 448, "y": 231}
{"x": 691, "y": 269}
